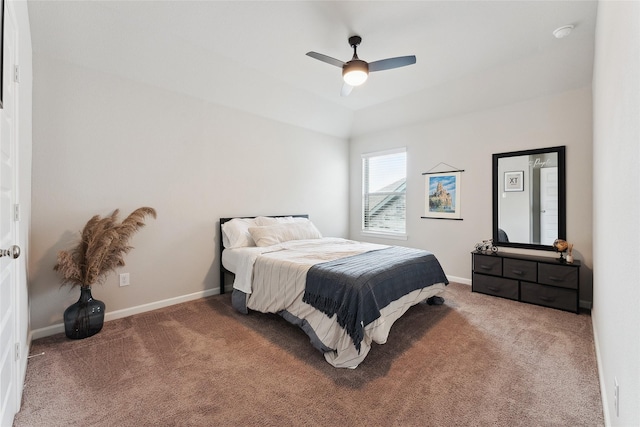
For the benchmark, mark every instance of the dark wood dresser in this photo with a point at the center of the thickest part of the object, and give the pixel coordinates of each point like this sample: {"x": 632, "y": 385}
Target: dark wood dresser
{"x": 531, "y": 279}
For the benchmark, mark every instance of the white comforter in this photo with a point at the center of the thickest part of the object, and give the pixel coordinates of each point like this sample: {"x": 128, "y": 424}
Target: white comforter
{"x": 274, "y": 278}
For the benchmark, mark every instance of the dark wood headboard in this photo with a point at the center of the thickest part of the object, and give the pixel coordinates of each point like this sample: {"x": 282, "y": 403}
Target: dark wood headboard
{"x": 223, "y": 270}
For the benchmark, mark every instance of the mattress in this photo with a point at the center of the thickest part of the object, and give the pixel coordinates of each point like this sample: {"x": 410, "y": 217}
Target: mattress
{"x": 272, "y": 280}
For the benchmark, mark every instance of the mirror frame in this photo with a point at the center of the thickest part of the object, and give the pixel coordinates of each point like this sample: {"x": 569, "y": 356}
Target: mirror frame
{"x": 562, "y": 197}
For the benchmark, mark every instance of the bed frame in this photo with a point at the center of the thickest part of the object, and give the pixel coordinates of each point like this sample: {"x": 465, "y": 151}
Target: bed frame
{"x": 224, "y": 271}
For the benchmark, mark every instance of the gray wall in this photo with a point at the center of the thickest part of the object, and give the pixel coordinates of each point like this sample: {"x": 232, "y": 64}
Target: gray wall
{"x": 102, "y": 142}
{"x": 616, "y": 207}
{"x": 467, "y": 142}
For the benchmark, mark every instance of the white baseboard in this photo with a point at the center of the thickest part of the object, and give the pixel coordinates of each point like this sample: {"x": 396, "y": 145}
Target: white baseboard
{"x": 603, "y": 383}
{"x": 459, "y": 280}
{"x": 118, "y": 314}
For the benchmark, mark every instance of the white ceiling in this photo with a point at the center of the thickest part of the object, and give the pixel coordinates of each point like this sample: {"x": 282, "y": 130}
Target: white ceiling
{"x": 250, "y": 55}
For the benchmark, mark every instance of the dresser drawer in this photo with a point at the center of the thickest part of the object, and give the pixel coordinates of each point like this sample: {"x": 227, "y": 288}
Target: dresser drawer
{"x": 520, "y": 269}
{"x": 487, "y": 264}
{"x": 564, "y": 299}
{"x": 558, "y": 275}
{"x": 497, "y": 286}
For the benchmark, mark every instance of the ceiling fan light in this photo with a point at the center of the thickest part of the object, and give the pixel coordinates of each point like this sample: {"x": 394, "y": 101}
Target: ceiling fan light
{"x": 355, "y": 72}
{"x": 355, "y": 77}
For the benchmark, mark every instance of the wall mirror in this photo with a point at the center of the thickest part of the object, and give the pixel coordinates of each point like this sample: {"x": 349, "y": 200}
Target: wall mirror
{"x": 529, "y": 199}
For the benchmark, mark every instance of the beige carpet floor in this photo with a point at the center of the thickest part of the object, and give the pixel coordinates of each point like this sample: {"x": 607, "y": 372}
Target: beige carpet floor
{"x": 474, "y": 361}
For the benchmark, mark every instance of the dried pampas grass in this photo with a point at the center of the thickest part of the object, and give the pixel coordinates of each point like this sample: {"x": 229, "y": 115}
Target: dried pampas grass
{"x": 103, "y": 244}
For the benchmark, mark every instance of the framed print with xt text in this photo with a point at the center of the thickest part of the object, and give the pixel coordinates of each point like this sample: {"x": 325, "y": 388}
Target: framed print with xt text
{"x": 514, "y": 181}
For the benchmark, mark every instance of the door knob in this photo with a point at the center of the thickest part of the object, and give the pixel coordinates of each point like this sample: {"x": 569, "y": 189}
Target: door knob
{"x": 13, "y": 252}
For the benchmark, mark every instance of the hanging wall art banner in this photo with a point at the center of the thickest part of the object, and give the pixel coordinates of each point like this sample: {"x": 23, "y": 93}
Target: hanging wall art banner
{"x": 442, "y": 195}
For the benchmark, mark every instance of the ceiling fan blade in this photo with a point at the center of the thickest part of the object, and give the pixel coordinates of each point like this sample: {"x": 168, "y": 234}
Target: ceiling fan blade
{"x": 346, "y": 89}
{"x": 387, "y": 64}
{"x": 325, "y": 58}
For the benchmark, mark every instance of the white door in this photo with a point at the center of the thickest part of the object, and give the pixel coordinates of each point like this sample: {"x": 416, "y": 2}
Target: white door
{"x": 548, "y": 205}
{"x": 8, "y": 233}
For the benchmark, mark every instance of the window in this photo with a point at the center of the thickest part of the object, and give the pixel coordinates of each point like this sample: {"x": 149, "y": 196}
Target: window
{"x": 384, "y": 183}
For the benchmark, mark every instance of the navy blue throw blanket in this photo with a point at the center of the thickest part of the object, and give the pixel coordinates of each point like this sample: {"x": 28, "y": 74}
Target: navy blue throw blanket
{"x": 357, "y": 287}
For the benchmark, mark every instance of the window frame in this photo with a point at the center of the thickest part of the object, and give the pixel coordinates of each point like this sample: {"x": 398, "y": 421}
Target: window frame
{"x": 397, "y": 235}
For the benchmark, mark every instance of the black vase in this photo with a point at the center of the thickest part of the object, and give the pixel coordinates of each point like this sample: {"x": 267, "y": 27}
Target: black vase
{"x": 85, "y": 317}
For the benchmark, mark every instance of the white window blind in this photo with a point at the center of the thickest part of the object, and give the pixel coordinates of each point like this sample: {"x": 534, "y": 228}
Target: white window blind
{"x": 384, "y": 183}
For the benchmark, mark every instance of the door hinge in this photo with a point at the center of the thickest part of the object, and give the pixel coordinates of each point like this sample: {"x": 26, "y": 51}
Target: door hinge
{"x": 17, "y": 351}
{"x": 16, "y": 73}
{"x": 16, "y": 212}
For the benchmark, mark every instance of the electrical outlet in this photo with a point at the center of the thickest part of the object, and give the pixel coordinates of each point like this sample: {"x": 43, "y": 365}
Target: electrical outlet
{"x": 616, "y": 396}
{"x": 124, "y": 279}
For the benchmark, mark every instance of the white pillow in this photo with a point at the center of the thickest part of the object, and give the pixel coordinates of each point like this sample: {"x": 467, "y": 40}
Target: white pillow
{"x": 235, "y": 233}
{"x": 267, "y": 220}
{"x": 268, "y": 235}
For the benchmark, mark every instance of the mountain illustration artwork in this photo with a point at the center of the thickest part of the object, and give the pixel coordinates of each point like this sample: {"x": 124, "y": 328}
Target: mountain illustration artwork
{"x": 440, "y": 200}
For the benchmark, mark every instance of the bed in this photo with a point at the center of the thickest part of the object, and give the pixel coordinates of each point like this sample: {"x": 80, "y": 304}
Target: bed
{"x": 343, "y": 294}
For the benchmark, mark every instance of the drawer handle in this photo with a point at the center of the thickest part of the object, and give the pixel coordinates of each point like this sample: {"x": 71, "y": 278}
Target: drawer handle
{"x": 546, "y": 299}
{"x": 485, "y": 267}
{"x": 493, "y": 289}
{"x": 518, "y": 272}
{"x": 555, "y": 279}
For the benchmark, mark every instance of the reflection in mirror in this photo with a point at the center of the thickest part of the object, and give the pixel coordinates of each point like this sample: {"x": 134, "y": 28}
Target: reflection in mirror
{"x": 529, "y": 198}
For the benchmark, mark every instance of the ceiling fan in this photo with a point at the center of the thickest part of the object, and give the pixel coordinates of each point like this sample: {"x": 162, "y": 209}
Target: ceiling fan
{"x": 356, "y": 71}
